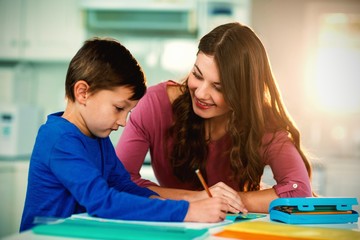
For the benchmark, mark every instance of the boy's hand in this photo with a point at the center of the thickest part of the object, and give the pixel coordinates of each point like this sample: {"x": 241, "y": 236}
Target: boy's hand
{"x": 207, "y": 210}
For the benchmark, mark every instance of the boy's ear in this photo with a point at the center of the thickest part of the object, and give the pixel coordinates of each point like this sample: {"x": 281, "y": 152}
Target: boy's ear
{"x": 81, "y": 89}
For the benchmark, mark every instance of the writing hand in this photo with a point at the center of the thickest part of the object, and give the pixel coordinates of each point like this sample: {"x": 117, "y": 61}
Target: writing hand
{"x": 207, "y": 210}
{"x": 224, "y": 191}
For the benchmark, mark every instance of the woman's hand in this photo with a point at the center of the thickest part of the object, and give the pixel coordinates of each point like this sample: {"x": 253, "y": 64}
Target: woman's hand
{"x": 224, "y": 191}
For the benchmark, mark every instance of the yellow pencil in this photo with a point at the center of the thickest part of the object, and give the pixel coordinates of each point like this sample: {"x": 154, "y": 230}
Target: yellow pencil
{"x": 198, "y": 173}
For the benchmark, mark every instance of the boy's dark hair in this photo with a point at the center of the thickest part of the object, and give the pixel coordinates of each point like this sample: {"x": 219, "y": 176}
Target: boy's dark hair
{"x": 104, "y": 63}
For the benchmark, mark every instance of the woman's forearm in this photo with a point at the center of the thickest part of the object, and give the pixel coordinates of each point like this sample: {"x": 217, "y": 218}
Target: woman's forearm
{"x": 218, "y": 190}
{"x": 258, "y": 201}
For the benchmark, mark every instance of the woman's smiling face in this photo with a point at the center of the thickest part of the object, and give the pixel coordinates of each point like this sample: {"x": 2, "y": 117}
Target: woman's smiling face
{"x": 205, "y": 88}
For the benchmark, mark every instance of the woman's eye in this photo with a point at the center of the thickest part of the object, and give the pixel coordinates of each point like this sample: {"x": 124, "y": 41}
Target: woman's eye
{"x": 196, "y": 75}
{"x": 119, "y": 109}
{"x": 217, "y": 87}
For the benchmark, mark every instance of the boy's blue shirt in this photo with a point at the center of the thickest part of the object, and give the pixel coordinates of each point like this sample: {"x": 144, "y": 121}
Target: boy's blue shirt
{"x": 72, "y": 173}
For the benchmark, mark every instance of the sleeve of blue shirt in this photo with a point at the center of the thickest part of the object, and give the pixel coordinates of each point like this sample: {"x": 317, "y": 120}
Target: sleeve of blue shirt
{"x": 117, "y": 198}
{"x": 118, "y": 177}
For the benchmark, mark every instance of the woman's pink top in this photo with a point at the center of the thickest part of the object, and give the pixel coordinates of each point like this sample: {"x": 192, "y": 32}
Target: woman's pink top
{"x": 146, "y": 129}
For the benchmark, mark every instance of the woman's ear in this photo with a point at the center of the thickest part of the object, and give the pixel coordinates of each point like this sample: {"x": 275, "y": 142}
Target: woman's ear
{"x": 81, "y": 89}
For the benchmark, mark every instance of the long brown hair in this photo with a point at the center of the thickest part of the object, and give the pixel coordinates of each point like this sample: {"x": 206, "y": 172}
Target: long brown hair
{"x": 250, "y": 90}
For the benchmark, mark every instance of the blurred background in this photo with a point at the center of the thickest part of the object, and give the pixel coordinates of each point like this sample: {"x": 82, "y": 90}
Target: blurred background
{"x": 313, "y": 46}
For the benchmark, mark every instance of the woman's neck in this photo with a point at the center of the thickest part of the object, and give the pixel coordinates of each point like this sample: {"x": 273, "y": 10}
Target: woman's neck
{"x": 215, "y": 128}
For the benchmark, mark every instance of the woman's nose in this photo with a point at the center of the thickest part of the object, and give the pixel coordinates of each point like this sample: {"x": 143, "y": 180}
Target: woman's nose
{"x": 202, "y": 91}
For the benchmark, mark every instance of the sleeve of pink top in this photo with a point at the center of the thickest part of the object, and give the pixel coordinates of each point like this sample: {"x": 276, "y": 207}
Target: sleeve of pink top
{"x": 133, "y": 144}
{"x": 290, "y": 174}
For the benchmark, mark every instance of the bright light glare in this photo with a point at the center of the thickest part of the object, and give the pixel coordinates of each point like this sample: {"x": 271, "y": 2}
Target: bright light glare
{"x": 179, "y": 55}
{"x": 338, "y": 79}
{"x": 337, "y": 65}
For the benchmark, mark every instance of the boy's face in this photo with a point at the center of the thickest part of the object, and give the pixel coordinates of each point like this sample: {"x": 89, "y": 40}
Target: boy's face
{"x": 106, "y": 110}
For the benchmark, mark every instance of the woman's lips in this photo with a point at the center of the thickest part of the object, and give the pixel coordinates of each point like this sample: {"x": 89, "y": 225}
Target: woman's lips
{"x": 202, "y": 105}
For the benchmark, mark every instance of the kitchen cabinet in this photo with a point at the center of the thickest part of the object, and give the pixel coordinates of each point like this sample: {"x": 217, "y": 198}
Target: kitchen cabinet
{"x": 40, "y": 30}
{"x": 10, "y": 19}
{"x": 13, "y": 183}
{"x": 6, "y": 191}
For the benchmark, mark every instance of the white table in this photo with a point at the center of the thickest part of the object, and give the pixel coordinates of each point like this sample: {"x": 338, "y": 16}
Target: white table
{"x": 29, "y": 235}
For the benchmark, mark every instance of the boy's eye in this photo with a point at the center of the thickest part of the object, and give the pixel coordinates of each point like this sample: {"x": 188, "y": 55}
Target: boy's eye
{"x": 119, "y": 109}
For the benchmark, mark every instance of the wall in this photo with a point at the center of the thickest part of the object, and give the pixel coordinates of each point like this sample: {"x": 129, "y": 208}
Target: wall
{"x": 285, "y": 28}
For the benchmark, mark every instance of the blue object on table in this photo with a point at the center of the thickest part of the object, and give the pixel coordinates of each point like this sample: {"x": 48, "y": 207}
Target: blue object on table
{"x": 313, "y": 210}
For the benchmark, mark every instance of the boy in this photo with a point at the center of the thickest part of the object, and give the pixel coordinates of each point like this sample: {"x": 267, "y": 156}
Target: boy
{"x": 74, "y": 168}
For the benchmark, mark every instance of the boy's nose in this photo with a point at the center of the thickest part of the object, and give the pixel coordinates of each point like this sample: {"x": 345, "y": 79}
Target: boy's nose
{"x": 121, "y": 121}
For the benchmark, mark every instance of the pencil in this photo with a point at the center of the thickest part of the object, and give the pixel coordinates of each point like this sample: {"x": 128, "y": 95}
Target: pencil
{"x": 198, "y": 173}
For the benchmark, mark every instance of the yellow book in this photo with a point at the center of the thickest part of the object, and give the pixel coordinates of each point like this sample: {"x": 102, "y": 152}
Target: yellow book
{"x": 281, "y": 231}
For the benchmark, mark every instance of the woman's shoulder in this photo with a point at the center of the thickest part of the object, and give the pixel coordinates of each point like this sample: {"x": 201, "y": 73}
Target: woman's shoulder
{"x": 162, "y": 86}
{"x": 158, "y": 89}
{"x": 165, "y": 90}
{"x": 275, "y": 137}
{"x": 173, "y": 90}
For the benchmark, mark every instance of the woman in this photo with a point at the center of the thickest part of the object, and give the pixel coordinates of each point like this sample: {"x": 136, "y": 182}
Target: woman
{"x": 227, "y": 119}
